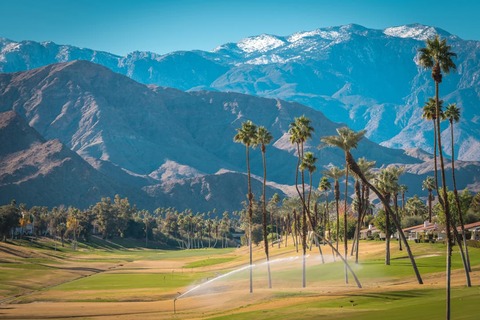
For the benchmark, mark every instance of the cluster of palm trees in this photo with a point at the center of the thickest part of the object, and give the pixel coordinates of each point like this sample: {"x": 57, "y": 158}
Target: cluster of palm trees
{"x": 437, "y": 55}
{"x": 164, "y": 226}
{"x": 251, "y": 136}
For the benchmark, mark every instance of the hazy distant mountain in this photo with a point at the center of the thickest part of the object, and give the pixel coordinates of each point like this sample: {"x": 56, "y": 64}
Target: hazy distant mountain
{"x": 363, "y": 77}
{"x": 158, "y": 146}
{"x": 39, "y": 172}
{"x": 35, "y": 171}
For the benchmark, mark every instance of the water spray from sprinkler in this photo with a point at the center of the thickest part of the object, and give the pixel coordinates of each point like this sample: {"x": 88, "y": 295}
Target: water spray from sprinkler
{"x": 205, "y": 283}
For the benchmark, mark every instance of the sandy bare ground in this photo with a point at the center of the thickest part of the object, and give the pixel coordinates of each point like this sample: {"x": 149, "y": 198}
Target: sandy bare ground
{"x": 220, "y": 297}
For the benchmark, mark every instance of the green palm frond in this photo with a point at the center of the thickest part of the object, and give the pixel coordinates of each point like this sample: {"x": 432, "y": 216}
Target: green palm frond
{"x": 246, "y": 134}
{"x": 452, "y": 113}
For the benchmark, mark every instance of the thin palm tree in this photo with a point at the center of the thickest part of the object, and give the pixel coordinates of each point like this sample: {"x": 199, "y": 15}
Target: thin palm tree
{"x": 336, "y": 173}
{"x": 429, "y": 185}
{"x": 263, "y": 138}
{"x": 345, "y": 140}
{"x": 308, "y": 163}
{"x": 385, "y": 182}
{"x": 403, "y": 189}
{"x": 437, "y": 55}
{"x": 363, "y": 202}
{"x": 246, "y": 135}
{"x": 324, "y": 186}
{"x": 300, "y": 131}
{"x": 353, "y": 166}
{"x": 452, "y": 113}
{"x": 397, "y": 172}
{"x": 430, "y": 113}
{"x": 416, "y": 207}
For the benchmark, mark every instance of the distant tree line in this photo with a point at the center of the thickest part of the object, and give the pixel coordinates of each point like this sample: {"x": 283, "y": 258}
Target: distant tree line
{"x": 118, "y": 218}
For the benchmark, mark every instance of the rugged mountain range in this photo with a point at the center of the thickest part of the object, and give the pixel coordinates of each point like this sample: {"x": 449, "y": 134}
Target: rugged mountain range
{"x": 74, "y": 132}
{"x": 363, "y": 77}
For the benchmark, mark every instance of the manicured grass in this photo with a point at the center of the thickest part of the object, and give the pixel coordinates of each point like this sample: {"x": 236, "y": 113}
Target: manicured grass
{"x": 125, "y": 281}
{"x": 147, "y": 280}
{"x": 208, "y": 262}
{"x": 410, "y": 304}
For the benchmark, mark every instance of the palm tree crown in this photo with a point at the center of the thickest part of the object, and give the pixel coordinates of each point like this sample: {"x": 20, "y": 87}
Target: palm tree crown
{"x": 346, "y": 139}
{"x": 452, "y": 113}
{"x": 437, "y": 55}
{"x": 308, "y": 162}
{"x": 430, "y": 111}
{"x": 263, "y": 137}
{"x": 246, "y": 134}
{"x": 428, "y": 184}
{"x": 324, "y": 185}
{"x": 300, "y": 130}
{"x": 334, "y": 172}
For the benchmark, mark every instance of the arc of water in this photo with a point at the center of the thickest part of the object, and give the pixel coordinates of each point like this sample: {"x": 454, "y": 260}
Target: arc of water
{"x": 212, "y": 280}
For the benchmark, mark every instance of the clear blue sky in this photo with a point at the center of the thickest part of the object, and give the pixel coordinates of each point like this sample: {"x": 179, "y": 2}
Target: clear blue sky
{"x": 161, "y": 26}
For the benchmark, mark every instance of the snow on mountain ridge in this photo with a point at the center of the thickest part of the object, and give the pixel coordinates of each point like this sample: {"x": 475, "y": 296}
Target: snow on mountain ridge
{"x": 261, "y": 43}
{"x": 416, "y": 31}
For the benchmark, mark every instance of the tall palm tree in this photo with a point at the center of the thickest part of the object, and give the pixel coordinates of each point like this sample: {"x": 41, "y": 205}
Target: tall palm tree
{"x": 416, "y": 207}
{"x": 403, "y": 189}
{"x": 300, "y": 131}
{"x": 452, "y": 113}
{"x": 324, "y": 186}
{"x": 437, "y": 55}
{"x": 385, "y": 182}
{"x": 429, "y": 184}
{"x": 273, "y": 209}
{"x": 430, "y": 113}
{"x": 396, "y": 172}
{"x": 246, "y": 135}
{"x": 346, "y": 140}
{"x": 336, "y": 173}
{"x": 263, "y": 138}
{"x": 363, "y": 202}
{"x": 308, "y": 163}
{"x": 353, "y": 166}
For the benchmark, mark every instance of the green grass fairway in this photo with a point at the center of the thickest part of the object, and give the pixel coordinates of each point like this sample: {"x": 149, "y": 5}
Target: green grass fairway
{"x": 117, "y": 281}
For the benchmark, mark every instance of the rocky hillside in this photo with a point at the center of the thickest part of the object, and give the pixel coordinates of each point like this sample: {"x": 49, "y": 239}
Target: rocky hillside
{"x": 363, "y": 77}
{"x": 156, "y": 145}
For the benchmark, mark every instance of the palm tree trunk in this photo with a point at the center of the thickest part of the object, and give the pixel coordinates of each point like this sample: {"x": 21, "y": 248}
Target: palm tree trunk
{"x": 327, "y": 220}
{"x": 354, "y": 167}
{"x": 435, "y": 129}
{"x": 395, "y": 203}
{"x": 457, "y": 200}
{"x": 295, "y": 233}
{"x": 365, "y": 202}
{"x": 265, "y": 236}
{"x": 271, "y": 226}
{"x": 250, "y": 214}
{"x": 345, "y": 241}
{"x": 387, "y": 235}
{"x": 445, "y": 204}
{"x": 430, "y": 205}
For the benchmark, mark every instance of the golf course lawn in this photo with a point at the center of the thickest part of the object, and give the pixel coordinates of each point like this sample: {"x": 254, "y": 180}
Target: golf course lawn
{"x": 43, "y": 280}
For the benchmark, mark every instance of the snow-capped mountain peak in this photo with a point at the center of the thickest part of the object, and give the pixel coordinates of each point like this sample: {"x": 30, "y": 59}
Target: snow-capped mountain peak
{"x": 261, "y": 43}
{"x": 414, "y": 31}
{"x": 328, "y": 35}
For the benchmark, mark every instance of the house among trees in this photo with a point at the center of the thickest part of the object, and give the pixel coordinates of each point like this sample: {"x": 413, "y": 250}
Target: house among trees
{"x": 426, "y": 232}
{"x": 474, "y": 230}
{"x": 372, "y": 233}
